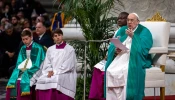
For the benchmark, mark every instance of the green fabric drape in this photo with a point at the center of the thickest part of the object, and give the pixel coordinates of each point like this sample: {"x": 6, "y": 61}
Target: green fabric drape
{"x": 139, "y": 60}
{"x": 37, "y": 56}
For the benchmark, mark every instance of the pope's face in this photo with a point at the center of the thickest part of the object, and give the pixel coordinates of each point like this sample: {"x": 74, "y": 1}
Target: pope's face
{"x": 132, "y": 21}
{"x": 58, "y": 38}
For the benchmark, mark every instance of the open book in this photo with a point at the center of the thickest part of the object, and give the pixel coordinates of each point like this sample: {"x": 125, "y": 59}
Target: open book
{"x": 118, "y": 44}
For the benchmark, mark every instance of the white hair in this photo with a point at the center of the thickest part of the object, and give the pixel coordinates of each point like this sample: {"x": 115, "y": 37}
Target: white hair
{"x": 136, "y": 15}
{"x": 8, "y": 26}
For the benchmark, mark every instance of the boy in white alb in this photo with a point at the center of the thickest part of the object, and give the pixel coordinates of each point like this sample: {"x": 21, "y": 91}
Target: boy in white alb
{"x": 58, "y": 79}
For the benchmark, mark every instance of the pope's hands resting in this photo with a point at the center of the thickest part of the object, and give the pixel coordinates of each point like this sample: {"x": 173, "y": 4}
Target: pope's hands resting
{"x": 50, "y": 73}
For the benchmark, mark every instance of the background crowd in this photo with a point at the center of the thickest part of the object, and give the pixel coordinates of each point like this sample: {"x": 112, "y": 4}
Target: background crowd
{"x": 15, "y": 15}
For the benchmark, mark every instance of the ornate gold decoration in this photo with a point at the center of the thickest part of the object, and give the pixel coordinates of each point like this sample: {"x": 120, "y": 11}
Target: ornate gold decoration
{"x": 12, "y": 86}
{"x": 13, "y": 97}
{"x": 45, "y": 48}
{"x": 25, "y": 93}
{"x": 157, "y": 17}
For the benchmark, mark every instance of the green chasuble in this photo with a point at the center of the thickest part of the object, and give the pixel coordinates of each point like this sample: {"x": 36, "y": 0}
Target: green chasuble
{"x": 37, "y": 56}
{"x": 140, "y": 59}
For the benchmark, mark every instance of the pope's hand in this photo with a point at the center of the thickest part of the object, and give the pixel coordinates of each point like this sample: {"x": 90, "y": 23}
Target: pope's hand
{"x": 129, "y": 32}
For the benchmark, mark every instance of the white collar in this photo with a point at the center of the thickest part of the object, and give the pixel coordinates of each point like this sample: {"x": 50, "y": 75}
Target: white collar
{"x": 30, "y": 44}
{"x": 135, "y": 29}
{"x": 59, "y": 43}
{"x": 41, "y": 36}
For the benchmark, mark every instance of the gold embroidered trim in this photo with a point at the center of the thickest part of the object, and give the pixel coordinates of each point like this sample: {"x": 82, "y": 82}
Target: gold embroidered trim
{"x": 12, "y": 97}
{"x": 12, "y": 86}
{"x": 45, "y": 48}
{"x": 25, "y": 93}
{"x": 23, "y": 69}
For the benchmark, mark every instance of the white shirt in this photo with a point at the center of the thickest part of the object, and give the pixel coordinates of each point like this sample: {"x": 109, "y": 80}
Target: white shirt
{"x": 41, "y": 36}
{"x": 28, "y": 51}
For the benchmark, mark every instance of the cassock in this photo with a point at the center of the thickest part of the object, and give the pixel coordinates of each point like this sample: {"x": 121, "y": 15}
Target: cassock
{"x": 60, "y": 59}
{"x": 125, "y": 75}
{"x": 19, "y": 84}
{"x": 97, "y": 83}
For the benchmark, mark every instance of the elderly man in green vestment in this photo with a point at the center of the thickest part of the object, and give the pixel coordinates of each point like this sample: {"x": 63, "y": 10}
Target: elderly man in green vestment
{"x": 125, "y": 74}
{"x": 29, "y": 60}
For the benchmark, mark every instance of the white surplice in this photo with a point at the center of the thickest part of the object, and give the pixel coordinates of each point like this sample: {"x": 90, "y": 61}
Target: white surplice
{"x": 101, "y": 65}
{"x": 63, "y": 63}
{"x": 116, "y": 77}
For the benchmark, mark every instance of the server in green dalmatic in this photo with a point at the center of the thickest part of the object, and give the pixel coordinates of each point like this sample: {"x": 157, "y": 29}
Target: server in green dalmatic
{"x": 29, "y": 60}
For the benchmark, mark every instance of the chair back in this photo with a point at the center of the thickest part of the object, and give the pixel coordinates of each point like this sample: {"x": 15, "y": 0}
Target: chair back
{"x": 160, "y": 33}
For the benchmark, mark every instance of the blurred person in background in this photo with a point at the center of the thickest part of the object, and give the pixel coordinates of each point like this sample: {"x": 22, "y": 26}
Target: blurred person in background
{"x": 40, "y": 19}
{"x": 3, "y": 22}
{"x": 1, "y": 29}
{"x": 15, "y": 22}
{"x": 43, "y": 37}
{"x": 26, "y": 24}
{"x": 1, "y": 9}
{"x": 33, "y": 20}
{"x": 14, "y": 6}
{"x": 39, "y": 8}
{"x": 9, "y": 41}
{"x": 26, "y": 6}
{"x": 20, "y": 14}
{"x": 7, "y": 10}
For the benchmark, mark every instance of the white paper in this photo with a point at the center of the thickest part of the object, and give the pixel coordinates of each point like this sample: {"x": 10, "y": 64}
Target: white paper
{"x": 28, "y": 66}
{"x": 118, "y": 44}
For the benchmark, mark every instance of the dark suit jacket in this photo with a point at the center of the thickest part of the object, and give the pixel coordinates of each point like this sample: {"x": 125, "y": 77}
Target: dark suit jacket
{"x": 46, "y": 40}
